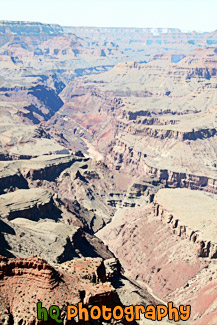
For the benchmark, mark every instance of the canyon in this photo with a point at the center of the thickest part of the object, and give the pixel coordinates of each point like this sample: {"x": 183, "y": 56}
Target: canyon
{"x": 108, "y": 169}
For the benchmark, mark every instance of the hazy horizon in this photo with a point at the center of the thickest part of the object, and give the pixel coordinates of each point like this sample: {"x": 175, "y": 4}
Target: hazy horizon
{"x": 92, "y": 26}
{"x": 186, "y": 15}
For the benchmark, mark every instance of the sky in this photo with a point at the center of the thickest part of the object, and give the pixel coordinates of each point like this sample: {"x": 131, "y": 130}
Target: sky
{"x": 188, "y": 15}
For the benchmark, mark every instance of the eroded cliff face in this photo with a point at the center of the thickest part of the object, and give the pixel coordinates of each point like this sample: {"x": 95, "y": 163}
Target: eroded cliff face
{"x": 200, "y": 229}
{"x": 122, "y": 156}
{"x": 83, "y": 192}
{"x": 155, "y": 128}
{"x": 65, "y": 202}
{"x": 171, "y": 246}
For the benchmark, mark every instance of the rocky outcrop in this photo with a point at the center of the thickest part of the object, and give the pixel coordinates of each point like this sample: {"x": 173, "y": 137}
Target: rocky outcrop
{"x": 185, "y": 212}
{"x": 83, "y": 188}
{"x": 40, "y": 102}
{"x": 88, "y": 245}
{"x": 34, "y": 267}
{"x": 49, "y": 168}
{"x": 176, "y": 134}
{"x": 175, "y": 179}
{"x": 24, "y": 281}
{"x": 58, "y": 238}
{"x": 32, "y": 204}
{"x": 12, "y": 181}
{"x": 56, "y": 242}
{"x": 14, "y": 174}
{"x": 112, "y": 268}
{"x": 21, "y": 141}
{"x": 124, "y": 157}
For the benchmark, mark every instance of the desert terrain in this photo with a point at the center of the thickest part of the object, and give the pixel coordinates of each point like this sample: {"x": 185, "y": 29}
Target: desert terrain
{"x": 108, "y": 169}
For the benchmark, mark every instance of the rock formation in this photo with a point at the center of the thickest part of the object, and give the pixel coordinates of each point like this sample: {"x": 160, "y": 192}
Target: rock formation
{"x": 108, "y": 176}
